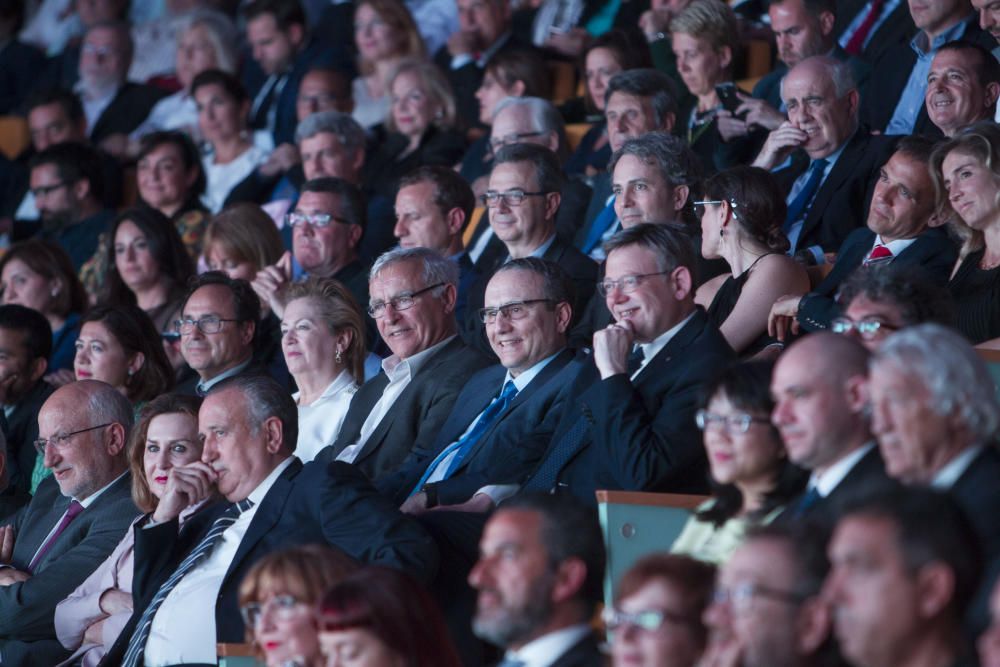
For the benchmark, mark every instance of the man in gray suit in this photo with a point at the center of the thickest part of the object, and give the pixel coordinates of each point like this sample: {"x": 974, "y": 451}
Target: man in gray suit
{"x": 76, "y": 518}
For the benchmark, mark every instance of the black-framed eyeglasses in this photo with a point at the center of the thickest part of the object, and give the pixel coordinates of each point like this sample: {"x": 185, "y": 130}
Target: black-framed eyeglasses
{"x": 741, "y": 596}
{"x": 515, "y": 310}
{"x": 210, "y": 324}
{"x": 284, "y": 608}
{"x": 699, "y": 206}
{"x": 649, "y": 620}
{"x": 737, "y": 423}
{"x": 318, "y": 220}
{"x": 510, "y": 197}
{"x": 626, "y": 283}
{"x": 45, "y": 190}
{"x": 59, "y": 441}
{"x": 402, "y": 301}
{"x": 867, "y": 327}
{"x": 515, "y": 138}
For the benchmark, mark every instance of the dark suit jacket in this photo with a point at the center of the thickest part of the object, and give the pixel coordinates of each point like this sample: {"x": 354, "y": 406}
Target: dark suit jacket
{"x": 890, "y": 74}
{"x": 769, "y": 88}
{"x": 601, "y": 190}
{"x": 933, "y": 253}
{"x": 21, "y": 430}
{"x": 841, "y": 205}
{"x": 868, "y": 474}
{"x": 498, "y": 453}
{"x": 308, "y": 504}
{"x": 642, "y": 436}
{"x": 127, "y": 110}
{"x": 897, "y": 26}
{"x": 415, "y": 417}
{"x": 976, "y": 491}
{"x": 27, "y": 633}
{"x": 585, "y": 653}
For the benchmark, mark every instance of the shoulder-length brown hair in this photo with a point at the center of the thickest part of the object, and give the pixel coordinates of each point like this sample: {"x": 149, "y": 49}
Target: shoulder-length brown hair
{"x": 135, "y": 332}
{"x": 167, "y": 404}
{"x": 50, "y": 261}
{"x": 397, "y": 16}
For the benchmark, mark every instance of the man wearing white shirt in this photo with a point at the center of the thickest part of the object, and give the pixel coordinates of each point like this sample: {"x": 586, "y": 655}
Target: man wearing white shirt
{"x": 539, "y": 577}
{"x": 936, "y": 417}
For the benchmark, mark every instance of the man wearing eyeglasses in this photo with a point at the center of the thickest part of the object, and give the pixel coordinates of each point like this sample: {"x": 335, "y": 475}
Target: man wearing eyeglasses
{"x": 218, "y": 325}
{"x": 412, "y": 299}
{"x": 75, "y": 520}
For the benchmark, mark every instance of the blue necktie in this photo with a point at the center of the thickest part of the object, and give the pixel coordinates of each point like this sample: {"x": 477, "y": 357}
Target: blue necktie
{"x": 800, "y": 205}
{"x": 602, "y": 222}
{"x": 137, "y": 645}
{"x": 808, "y": 499}
{"x": 462, "y": 447}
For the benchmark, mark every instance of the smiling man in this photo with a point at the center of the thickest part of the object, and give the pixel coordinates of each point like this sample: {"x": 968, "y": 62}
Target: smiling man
{"x": 962, "y": 86}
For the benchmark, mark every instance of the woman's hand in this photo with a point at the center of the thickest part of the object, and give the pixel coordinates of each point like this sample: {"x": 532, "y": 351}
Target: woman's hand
{"x": 114, "y": 601}
{"x": 95, "y": 633}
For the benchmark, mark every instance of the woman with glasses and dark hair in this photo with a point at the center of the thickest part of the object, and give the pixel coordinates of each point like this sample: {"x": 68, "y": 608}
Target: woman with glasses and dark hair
{"x": 752, "y": 478}
{"x": 166, "y": 436}
{"x": 741, "y": 222}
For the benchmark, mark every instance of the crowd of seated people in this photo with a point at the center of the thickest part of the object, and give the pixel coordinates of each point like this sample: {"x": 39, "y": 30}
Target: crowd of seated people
{"x": 322, "y": 325}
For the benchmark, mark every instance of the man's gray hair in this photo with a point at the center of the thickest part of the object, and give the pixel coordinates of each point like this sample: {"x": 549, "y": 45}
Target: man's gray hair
{"x": 341, "y": 125}
{"x": 222, "y": 33}
{"x": 650, "y": 83}
{"x": 265, "y": 398}
{"x": 670, "y": 154}
{"x": 951, "y": 370}
{"x": 543, "y": 116}
{"x": 839, "y": 72}
{"x": 434, "y": 268}
{"x": 107, "y": 405}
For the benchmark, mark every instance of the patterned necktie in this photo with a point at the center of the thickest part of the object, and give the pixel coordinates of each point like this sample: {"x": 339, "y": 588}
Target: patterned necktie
{"x": 462, "y": 447}
{"x": 72, "y": 512}
{"x": 137, "y": 645}
{"x": 878, "y": 254}
{"x": 635, "y": 359}
{"x": 800, "y": 205}
{"x": 857, "y": 42}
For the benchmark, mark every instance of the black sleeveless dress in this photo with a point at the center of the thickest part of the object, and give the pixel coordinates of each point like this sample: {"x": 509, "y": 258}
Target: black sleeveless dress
{"x": 977, "y": 299}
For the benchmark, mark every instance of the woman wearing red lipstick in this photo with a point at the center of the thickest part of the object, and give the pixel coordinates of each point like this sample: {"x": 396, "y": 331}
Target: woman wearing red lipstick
{"x": 166, "y": 436}
{"x": 751, "y": 475}
{"x": 278, "y": 600}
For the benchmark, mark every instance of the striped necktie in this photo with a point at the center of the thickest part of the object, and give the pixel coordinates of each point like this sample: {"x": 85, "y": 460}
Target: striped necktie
{"x": 137, "y": 645}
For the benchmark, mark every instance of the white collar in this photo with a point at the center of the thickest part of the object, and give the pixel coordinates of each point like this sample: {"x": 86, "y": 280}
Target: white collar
{"x": 951, "y": 471}
{"x": 836, "y": 473}
{"x": 548, "y": 648}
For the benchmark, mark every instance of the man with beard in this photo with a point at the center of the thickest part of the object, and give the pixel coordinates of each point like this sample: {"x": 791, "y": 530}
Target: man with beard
{"x": 539, "y": 577}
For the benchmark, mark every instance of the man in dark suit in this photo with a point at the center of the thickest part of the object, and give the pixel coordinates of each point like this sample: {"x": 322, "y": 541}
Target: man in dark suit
{"x": 943, "y": 433}
{"x": 866, "y": 28}
{"x": 898, "y": 232}
{"x": 25, "y": 345}
{"x": 539, "y": 577}
{"x": 629, "y": 417}
{"x": 828, "y": 181}
{"x": 527, "y": 316}
{"x": 413, "y": 302}
{"x": 524, "y": 197}
{"x": 895, "y": 100}
{"x": 73, "y": 523}
{"x": 821, "y": 404}
{"x": 272, "y": 501}
{"x": 989, "y": 19}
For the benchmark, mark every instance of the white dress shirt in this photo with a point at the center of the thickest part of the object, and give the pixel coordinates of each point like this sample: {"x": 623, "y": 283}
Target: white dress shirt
{"x": 222, "y": 178}
{"x": 400, "y": 372}
{"x": 95, "y": 103}
{"x": 545, "y": 650}
{"x": 320, "y": 421}
{"x": 183, "y": 628}
{"x": 652, "y": 348}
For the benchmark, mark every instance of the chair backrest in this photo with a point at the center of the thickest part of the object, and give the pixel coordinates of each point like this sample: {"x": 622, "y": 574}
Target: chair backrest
{"x": 14, "y": 135}
{"x": 575, "y": 132}
{"x": 992, "y": 358}
{"x": 470, "y": 228}
{"x": 636, "y": 524}
{"x": 238, "y": 655}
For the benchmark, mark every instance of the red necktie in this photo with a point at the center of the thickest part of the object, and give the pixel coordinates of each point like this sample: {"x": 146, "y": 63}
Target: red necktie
{"x": 857, "y": 41}
{"x": 879, "y": 252}
{"x": 72, "y": 512}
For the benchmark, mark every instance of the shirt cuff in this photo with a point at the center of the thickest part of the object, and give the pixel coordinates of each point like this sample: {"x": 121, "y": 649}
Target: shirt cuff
{"x": 460, "y": 61}
{"x": 818, "y": 254}
{"x": 498, "y": 492}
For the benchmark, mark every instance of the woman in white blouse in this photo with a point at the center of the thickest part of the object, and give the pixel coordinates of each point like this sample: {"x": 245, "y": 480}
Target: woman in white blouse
{"x": 322, "y": 337}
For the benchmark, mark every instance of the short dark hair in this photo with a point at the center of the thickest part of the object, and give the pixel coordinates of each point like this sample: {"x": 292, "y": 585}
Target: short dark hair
{"x": 548, "y": 173}
{"x": 917, "y": 147}
{"x": 986, "y": 67}
{"x": 569, "y": 530}
{"x": 246, "y": 304}
{"x": 189, "y": 154}
{"x": 758, "y": 203}
{"x": 450, "y": 189}
{"x": 813, "y": 7}
{"x": 286, "y": 13}
{"x": 672, "y": 244}
{"x": 649, "y": 83}
{"x": 918, "y": 298}
{"x": 556, "y": 283}
{"x": 265, "y": 398}
{"x": 352, "y": 202}
{"x": 518, "y": 64}
{"x": 74, "y": 162}
{"x": 806, "y": 542}
{"x": 230, "y": 85}
{"x": 67, "y": 100}
{"x": 36, "y": 333}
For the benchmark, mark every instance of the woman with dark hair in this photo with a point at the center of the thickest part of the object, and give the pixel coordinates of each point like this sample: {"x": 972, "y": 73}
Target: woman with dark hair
{"x": 232, "y": 157}
{"x": 385, "y": 619}
{"x": 615, "y": 51}
{"x": 752, "y": 477}
{"x": 121, "y": 346}
{"x": 278, "y": 599}
{"x": 656, "y": 618}
{"x": 171, "y": 180}
{"x": 39, "y": 275}
{"x": 741, "y": 222}
{"x": 147, "y": 265}
{"x": 91, "y": 618}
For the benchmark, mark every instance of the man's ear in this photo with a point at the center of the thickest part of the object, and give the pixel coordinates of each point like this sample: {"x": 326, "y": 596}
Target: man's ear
{"x": 273, "y": 435}
{"x": 681, "y": 194}
{"x": 37, "y": 369}
{"x": 857, "y": 394}
{"x": 826, "y": 22}
{"x": 354, "y": 236}
{"x": 248, "y": 330}
{"x": 936, "y": 586}
{"x": 725, "y": 57}
{"x": 668, "y": 122}
{"x": 681, "y": 282}
{"x": 571, "y": 575}
{"x": 296, "y": 34}
{"x": 116, "y": 439}
{"x": 564, "y": 315}
{"x": 992, "y": 93}
{"x": 455, "y": 220}
{"x": 814, "y": 624}
{"x": 552, "y": 201}
{"x": 81, "y": 189}
{"x": 449, "y": 296}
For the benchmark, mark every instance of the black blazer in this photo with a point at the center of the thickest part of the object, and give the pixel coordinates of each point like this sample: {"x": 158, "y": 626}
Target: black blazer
{"x": 27, "y": 609}
{"x": 642, "y": 436}
{"x": 415, "y": 417}
{"x": 868, "y": 474}
{"x": 127, "y": 110}
{"x": 976, "y": 491}
{"x": 584, "y": 653}
{"x": 933, "y": 252}
{"x": 498, "y": 452}
{"x": 21, "y": 430}
{"x": 308, "y": 504}
{"x": 897, "y": 26}
{"x": 841, "y": 205}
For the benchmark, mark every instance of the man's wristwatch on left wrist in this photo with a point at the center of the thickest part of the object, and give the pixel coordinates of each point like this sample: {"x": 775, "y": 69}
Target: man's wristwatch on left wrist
{"x": 430, "y": 491}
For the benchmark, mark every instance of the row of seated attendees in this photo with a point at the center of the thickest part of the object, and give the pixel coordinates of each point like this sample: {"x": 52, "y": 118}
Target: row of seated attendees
{"x": 322, "y": 324}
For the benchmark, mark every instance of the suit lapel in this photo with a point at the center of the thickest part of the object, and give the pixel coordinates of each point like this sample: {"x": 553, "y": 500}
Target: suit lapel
{"x": 841, "y": 172}
{"x": 674, "y": 347}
